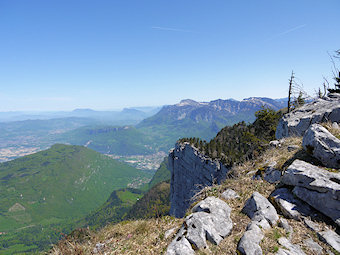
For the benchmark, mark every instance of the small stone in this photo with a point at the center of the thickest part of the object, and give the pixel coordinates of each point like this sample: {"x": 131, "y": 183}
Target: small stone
{"x": 98, "y": 248}
{"x": 311, "y": 225}
{"x": 275, "y": 143}
{"x": 313, "y": 246}
{"x": 292, "y": 148}
{"x": 169, "y": 232}
{"x": 283, "y": 223}
{"x": 335, "y": 125}
{"x": 293, "y": 249}
{"x": 229, "y": 194}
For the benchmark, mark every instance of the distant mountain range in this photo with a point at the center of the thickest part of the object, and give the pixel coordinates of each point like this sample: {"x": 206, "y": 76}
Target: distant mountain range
{"x": 217, "y": 111}
{"x": 159, "y": 132}
{"x": 123, "y": 117}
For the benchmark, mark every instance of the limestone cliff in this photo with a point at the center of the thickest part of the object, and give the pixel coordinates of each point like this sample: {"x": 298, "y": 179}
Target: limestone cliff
{"x": 190, "y": 172}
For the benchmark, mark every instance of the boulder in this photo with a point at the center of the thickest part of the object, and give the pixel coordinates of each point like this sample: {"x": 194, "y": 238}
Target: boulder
{"x": 320, "y": 143}
{"x": 249, "y": 242}
{"x": 298, "y": 121}
{"x": 290, "y": 207}
{"x": 316, "y": 186}
{"x": 331, "y": 238}
{"x": 258, "y": 207}
{"x": 210, "y": 221}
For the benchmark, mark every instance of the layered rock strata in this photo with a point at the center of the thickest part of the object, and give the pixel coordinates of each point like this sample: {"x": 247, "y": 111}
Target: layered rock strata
{"x": 317, "y": 187}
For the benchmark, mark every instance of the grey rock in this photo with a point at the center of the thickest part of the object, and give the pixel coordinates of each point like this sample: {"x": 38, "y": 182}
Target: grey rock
{"x": 292, "y": 249}
{"x": 321, "y": 202}
{"x": 210, "y": 221}
{"x": 290, "y": 207}
{"x": 331, "y": 238}
{"x": 275, "y": 143}
{"x": 180, "y": 246}
{"x": 318, "y": 187}
{"x": 313, "y": 246}
{"x": 335, "y": 125}
{"x": 311, "y": 225}
{"x": 298, "y": 121}
{"x": 229, "y": 194}
{"x": 99, "y": 247}
{"x": 257, "y": 207}
{"x": 292, "y": 148}
{"x": 283, "y": 223}
{"x": 191, "y": 171}
{"x": 324, "y": 146}
{"x": 169, "y": 232}
{"x": 271, "y": 174}
{"x": 249, "y": 242}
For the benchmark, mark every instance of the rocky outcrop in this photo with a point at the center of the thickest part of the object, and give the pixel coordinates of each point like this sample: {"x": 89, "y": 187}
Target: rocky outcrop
{"x": 190, "y": 172}
{"x": 324, "y": 146}
{"x": 317, "y": 187}
{"x": 299, "y": 120}
{"x": 210, "y": 221}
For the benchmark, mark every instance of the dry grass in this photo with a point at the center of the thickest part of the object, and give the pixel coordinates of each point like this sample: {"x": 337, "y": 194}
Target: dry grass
{"x": 147, "y": 236}
{"x": 129, "y": 237}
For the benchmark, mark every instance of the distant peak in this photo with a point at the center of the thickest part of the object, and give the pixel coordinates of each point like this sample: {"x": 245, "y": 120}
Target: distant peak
{"x": 83, "y": 110}
{"x": 188, "y": 102}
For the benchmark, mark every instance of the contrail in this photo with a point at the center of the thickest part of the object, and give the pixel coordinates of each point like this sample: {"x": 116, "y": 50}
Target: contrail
{"x": 171, "y": 29}
{"x": 285, "y": 32}
{"x": 291, "y": 30}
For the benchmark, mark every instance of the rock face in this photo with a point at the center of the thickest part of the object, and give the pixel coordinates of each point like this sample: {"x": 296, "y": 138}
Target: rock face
{"x": 318, "y": 187}
{"x": 210, "y": 221}
{"x": 299, "y": 120}
{"x": 190, "y": 172}
{"x": 322, "y": 145}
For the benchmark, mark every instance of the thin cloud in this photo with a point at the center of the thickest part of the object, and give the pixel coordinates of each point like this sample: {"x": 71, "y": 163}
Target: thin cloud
{"x": 171, "y": 29}
{"x": 287, "y": 32}
{"x": 291, "y": 30}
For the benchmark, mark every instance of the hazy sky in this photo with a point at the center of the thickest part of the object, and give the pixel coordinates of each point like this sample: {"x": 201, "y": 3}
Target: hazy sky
{"x": 66, "y": 54}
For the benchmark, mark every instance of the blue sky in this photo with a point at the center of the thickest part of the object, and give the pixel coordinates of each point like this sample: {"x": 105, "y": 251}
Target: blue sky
{"x": 66, "y": 54}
